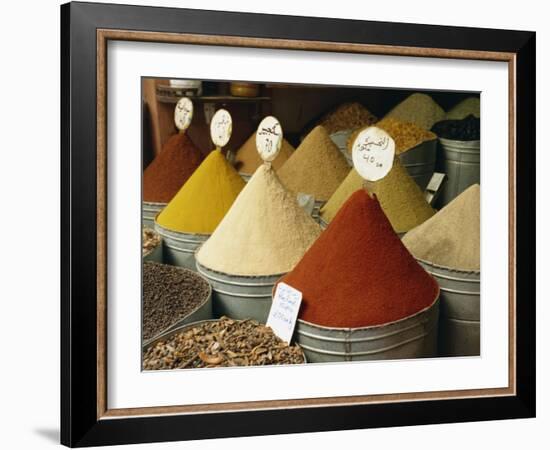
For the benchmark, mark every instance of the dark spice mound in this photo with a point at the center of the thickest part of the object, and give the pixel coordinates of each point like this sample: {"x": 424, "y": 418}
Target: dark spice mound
{"x": 221, "y": 343}
{"x": 169, "y": 294}
{"x": 466, "y": 129}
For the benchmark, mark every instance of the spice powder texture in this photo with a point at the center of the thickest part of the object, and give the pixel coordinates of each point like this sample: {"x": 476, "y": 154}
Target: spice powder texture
{"x": 420, "y": 109}
{"x": 203, "y": 201}
{"x": 358, "y": 273}
{"x": 248, "y": 160}
{"x": 265, "y": 232}
{"x": 317, "y": 167}
{"x": 451, "y": 238}
{"x": 171, "y": 168}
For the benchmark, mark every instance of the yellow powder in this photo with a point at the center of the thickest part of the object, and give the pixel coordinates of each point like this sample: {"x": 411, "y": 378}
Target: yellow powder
{"x": 400, "y": 198}
{"x": 204, "y": 199}
{"x": 317, "y": 167}
{"x": 248, "y": 160}
{"x": 265, "y": 232}
{"x": 405, "y": 134}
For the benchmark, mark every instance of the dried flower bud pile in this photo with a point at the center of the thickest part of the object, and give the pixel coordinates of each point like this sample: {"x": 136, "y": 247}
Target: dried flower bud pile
{"x": 150, "y": 241}
{"x": 221, "y": 343}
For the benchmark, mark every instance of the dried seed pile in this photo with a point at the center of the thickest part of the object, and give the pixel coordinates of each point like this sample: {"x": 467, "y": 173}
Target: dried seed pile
{"x": 169, "y": 294}
{"x": 150, "y": 240}
{"x": 221, "y": 343}
{"x": 467, "y": 129}
{"x": 405, "y": 134}
{"x": 347, "y": 116}
{"x": 420, "y": 109}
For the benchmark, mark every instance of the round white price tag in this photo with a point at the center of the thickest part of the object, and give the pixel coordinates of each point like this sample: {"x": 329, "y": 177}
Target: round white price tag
{"x": 221, "y": 127}
{"x": 183, "y": 113}
{"x": 269, "y": 138}
{"x": 372, "y": 153}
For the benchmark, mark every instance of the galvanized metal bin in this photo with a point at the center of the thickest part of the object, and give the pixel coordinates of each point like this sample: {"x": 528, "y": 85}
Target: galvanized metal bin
{"x": 460, "y": 162}
{"x": 420, "y": 162}
{"x": 245, "y": 176}
{"x": 315, "y": 213}
{"x": 155, "y": 254}
{"x": 179, "y": 248}
{"x": 340, "y": 138}
{"x": 149, "y": 212}
{"x": 411, "y": 337}
{"x": 202, "y": 312}
{"x": 240, "y": 297}
{"x": 460, "y": 310}
{"x": 323, "y": 224}
{"x": 183, "y": 328}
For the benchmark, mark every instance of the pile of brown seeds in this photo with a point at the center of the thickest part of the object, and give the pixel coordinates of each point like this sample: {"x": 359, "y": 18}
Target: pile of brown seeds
{"x": 347, "y": 116}
{"x": 150, "y": 240}
{"x": 169, "y": 294}
{"x": 221, "y": 343}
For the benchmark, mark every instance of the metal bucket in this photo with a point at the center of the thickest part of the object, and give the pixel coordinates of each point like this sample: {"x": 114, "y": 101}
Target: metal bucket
{"x": 154, "y": 255}
{"x": 412, "y": 337}
{"x": 149, "y": 211}
{"x": 240, "y": 297}
{"x": 201, "y": 312}
{"x": 184, "y": 327}
{"x": 316, "y": 208}
{"x": 245, "y": 176}
{"x": 340, "y": 138}
{"x": 460, "y": 310}
{"x": 460, "y": 162}
{"x": 420, "y": 162}
{"x": 323, "y": 224}
{"x": 179, "y": 248}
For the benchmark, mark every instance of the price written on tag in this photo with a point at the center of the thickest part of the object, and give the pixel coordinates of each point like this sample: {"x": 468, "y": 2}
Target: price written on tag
{"x": 284, "y": 311}
{"x": 372, "y": 153}
{"x": 221, "y": 127}
{"x": 269, "y": 138}
{"x": 183, "y": 113}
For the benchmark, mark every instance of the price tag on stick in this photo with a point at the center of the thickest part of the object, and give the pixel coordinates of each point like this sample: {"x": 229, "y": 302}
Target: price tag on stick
{"x": 183, "y": 113}
{"x": 372, "y": 152}
{"x": 221, "y": 128}
{"x": 284, "y": 311}
{"x": 269, "y": 138}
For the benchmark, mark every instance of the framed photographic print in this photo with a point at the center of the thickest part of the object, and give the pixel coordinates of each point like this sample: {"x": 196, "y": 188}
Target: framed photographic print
{"x": 276, "y": 224}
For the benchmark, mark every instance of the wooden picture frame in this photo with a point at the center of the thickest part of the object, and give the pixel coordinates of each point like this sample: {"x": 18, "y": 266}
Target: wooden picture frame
{"x": 85, "y": 417}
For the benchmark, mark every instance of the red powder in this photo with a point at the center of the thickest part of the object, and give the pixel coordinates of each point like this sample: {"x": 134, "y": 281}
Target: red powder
{"x": 358, "y": 273}
{"x": 171, "y": 168}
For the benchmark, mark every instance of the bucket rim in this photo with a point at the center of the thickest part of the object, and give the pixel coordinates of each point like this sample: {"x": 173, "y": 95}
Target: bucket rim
{"x": 459, "y": 142}
{"x": 159, "y": 204}
{"x": 170, "y": 333}
{"x": 449, "y": 269}
{"x": 207, "y": 298}
{"x": 218, "y": 272}
{"x": 162, "y": 228}
{"x": 372, "y": 327}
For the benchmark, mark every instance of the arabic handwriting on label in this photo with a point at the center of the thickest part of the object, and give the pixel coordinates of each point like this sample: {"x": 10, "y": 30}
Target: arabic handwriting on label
{"x": 183, "y": 113}
{"x": 284, "y": 311}
{"x": 372, "y": 153}
{"x": 221, "y": 127}
{"x": 269, "y": 138}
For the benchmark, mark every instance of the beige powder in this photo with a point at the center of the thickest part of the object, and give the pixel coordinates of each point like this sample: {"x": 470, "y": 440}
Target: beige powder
{"x": 317, "y": 167}
{"x": 264, "y": 233}
{"x": 420, "y": 109}
{"x": 464, "y": 109}
{"x": 248, "y": 159}
{"x": 451, "y": 237}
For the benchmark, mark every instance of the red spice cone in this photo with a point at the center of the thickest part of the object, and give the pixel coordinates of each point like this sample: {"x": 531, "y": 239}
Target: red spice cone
{"x": 358, "y": 273}
{"x": 170, "y": 169}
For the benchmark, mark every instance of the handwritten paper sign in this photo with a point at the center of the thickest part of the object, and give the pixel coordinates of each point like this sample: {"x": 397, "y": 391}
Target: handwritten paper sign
{"x": 284, "y": 311}
{"x": 221, "y": 128}
{"x": 183, "y": 113}
{"x": 372, "y": 153}
{"x": 269, "y": 138}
